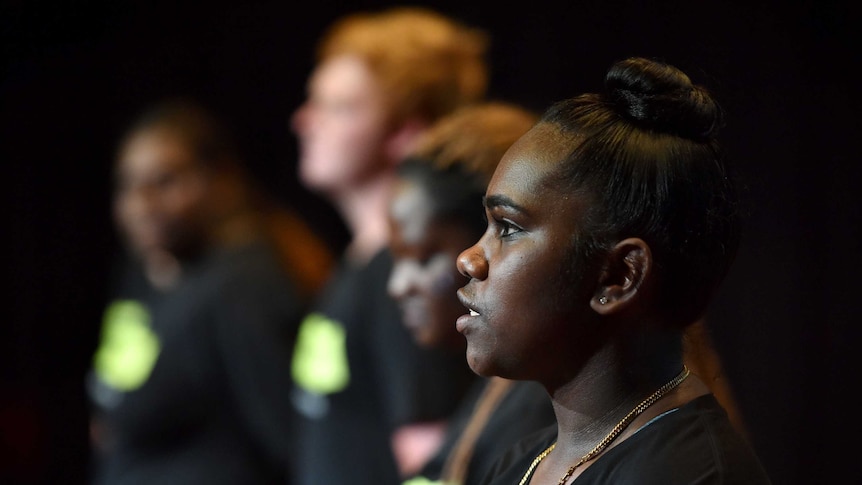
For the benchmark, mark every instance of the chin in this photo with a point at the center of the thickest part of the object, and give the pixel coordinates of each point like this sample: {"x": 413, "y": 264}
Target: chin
{"x": 319, "y": 178}
{"x": 318, "y": 184}
{"x": 425, "y": 339}
{"x": 478, "y": 364}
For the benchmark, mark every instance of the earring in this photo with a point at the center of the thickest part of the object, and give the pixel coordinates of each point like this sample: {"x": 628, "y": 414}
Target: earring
{"x": 603, "y": 299}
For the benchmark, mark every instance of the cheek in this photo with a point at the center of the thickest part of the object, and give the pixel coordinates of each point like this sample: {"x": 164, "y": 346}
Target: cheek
{"x": 185, "y": 204}
{"x": 121, "y": 209}
{"x": 441, "y": 277}
{"x": 351, "y": 128}
{"x": 181, "y": 198}
{"x": 343, "y": 154}
{"x": 341, "y": 135}
{"x": 438, "y": 284}
{"x": 514, "y": 279}
{"x": 527, "y": 293}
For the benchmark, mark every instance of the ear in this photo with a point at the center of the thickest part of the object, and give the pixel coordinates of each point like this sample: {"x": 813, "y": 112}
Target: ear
{"x": 403, "y": 138}
{"x": 628, "y": 269}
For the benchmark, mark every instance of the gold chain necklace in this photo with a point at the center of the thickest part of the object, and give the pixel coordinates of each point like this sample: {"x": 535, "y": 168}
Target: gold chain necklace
{"x": 640, "y": 408}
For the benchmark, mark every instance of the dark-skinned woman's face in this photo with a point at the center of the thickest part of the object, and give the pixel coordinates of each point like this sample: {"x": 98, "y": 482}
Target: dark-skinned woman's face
{"x": 161, "y": 200}
{"x": 525, "y": 298}
{"x": 424, "y": 278}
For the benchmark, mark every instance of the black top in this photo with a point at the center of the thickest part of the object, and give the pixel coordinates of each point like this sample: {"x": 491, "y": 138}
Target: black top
{"x": 524, "y": 409}
{"x": 360, "y": 374}
{"x": 213, "y": 408}
{"x": 694, "y": 444}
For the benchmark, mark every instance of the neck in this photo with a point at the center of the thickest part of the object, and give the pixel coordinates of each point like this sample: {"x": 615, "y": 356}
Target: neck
{"x": 364, "y": 210}
{"x": 161, "y": 269}
{"x": 604, "y": 390}
{"x": 237, "y": 228}
{"x": 620, "y": 431}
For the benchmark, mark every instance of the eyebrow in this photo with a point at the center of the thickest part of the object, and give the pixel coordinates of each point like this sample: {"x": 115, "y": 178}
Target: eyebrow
{"x": 491, "y": 201}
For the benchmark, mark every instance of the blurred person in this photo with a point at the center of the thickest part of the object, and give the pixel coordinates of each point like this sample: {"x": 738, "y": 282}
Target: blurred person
{"x": 611, "y": 224}
{"x": 374, "y": 403}
{"x": 435, "y": 213}
{"x": 190, "y": 382}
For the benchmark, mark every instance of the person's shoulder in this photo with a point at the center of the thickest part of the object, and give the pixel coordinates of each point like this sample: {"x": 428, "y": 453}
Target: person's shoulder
{"x": 514, "y": 461}
{"x": 695, "y": 441}
{"x": 374, "y": 276}
{"x": 524, "y": 415}
{"x": 530, "y": 393}
{"x": 380, "y": 263}
{"x": 525, "y": 408}
{"x": 247, "y": 274}
{"x": 736, "y": 457}
{"x": 253, "y": 263}
{"x": 364, "y": 274}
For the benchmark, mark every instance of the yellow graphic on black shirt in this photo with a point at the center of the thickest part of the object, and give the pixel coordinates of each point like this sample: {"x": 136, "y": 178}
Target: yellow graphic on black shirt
{"x": 128, "y": 348}
{"x": 420, "y": 480}
{"x": 320, "y": 357}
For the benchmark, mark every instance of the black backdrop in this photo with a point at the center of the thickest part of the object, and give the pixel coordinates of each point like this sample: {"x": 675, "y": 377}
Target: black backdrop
{"x": 74, "y": 73}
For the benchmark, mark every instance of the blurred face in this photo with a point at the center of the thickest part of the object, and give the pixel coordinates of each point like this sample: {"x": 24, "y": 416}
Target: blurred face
{"x": 424, "y": 278}
{"x": 160, "y": 202}
{"x": 341, "y": 127}
{"x": 525, "y": 299}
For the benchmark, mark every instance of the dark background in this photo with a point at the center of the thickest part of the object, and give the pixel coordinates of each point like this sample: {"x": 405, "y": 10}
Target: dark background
{"x": 74, "y": 74}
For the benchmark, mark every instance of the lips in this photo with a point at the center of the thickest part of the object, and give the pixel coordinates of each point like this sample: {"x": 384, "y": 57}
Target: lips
{"x": 472, "y": 311}
{"x": 466, "y": 300}
{"x": 413, "y": 313}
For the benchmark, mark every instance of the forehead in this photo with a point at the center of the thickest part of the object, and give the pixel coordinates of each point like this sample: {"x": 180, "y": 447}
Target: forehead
{"x": 531, "y": 161}
{"x": 410, "y": 210}
{"x": 154, "y": 151}
{"x": 342, "y": 75}
{"x": 416, "y": 222}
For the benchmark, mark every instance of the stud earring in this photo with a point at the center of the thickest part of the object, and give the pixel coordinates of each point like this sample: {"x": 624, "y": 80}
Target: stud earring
{"x": 603, "y": 299}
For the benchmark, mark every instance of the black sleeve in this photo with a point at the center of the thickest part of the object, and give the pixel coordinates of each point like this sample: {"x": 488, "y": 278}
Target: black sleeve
{"x": 258, "y": 316}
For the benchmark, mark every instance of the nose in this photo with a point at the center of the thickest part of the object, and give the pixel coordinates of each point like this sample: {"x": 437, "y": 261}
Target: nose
{"x": 400, "y": 280}
{"x": 298, "y": 119}
{"x": 472, "y": 263}
{"x": 134, "y": 203}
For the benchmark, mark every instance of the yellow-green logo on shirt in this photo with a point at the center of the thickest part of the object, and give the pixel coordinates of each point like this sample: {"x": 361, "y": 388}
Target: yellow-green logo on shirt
{"x": 420, "y": 480}
{"x": 128, "y": 348}
{"x": 320, "y": 357}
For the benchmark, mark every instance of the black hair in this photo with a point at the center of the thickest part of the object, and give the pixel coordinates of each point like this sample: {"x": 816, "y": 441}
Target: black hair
{"x": 199, "y": 127}
{"x": 455, "y": 191}
{"x": 646, "y": 156}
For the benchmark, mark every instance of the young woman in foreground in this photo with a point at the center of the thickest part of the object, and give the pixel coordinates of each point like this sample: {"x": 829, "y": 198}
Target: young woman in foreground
{"x": 610, "y": 225}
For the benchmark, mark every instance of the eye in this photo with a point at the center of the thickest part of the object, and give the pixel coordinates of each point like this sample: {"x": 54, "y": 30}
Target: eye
{"x": 425, "y": 260}
{"x": 506, "y": 228}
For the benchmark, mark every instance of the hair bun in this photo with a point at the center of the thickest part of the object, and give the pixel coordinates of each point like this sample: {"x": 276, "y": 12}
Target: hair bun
{"x": 660, "y": 97}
